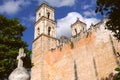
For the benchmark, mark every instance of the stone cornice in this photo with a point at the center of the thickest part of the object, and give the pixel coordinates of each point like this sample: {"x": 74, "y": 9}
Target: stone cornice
{"x": 45, "y": 36}
{"x": 42, "y": 19}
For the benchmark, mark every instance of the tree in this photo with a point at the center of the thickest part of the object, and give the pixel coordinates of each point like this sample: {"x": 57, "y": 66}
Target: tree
{"x": 110, "y": 9}
{"x": 117, "y": 75}
{"x": 11, "y": 32}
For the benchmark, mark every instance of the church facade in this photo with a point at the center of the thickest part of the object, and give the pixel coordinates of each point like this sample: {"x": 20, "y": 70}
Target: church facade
{"x": 91, "y": 54}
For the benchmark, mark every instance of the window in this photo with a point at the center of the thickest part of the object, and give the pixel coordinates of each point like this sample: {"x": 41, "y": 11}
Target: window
{"x": 49, "y": 29}
{"x": 39, "y": 14}
{"x": 38, "y": 30}
{"x": 76, "y": 31}
{"x": 48, "y": 15}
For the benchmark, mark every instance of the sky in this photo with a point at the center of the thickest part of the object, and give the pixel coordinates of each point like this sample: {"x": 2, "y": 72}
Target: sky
{"x": 66, "y": 13}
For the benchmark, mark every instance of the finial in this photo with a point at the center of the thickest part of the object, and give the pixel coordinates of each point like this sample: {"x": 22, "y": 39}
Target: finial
{"x": 77, "y": 18}
{"x": 92, "y": 24}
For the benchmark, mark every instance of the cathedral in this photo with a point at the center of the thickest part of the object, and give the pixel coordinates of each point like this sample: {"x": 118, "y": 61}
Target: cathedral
{"x": 90, "y": 54}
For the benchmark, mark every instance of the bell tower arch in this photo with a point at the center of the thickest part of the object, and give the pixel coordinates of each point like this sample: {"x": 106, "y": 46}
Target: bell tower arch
{"x": 45, "y": 21}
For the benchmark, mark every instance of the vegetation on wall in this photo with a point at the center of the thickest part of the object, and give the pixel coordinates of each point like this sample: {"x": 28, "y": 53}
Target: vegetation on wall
{"x": 117, "y": 76}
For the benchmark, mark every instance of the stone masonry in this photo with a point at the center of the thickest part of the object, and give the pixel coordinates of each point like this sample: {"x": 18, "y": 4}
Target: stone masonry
{"x": 91, "y": 54}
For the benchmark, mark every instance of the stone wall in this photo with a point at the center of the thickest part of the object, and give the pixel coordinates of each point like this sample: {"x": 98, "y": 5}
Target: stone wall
{"x": 93, "y": 57}
{"x": 93, "y": 61}
{"x": 40, "y": 45}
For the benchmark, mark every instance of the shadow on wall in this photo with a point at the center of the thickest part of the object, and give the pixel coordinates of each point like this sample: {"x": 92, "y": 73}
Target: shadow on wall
{"x": 110, "y": 77}
{"x": 115, "y": 52}
{"x": 75, "y": 71}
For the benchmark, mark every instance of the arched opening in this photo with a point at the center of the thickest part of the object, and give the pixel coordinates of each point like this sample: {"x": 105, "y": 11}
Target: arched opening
{"x": 49, "y": 30}
{"x": 38, "y": 31}
{"x": 39, "y": 15}
{"x": 76, "y": 31}
{"x": 48, "y": 15}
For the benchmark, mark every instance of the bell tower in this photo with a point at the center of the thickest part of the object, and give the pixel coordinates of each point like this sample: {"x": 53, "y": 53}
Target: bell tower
{"x": 44, "y": 40}
{"x": 78, "y": 30}
{"x": 45, "y": 23}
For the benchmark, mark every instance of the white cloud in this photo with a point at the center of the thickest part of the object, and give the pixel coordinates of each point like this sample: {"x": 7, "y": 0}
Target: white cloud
{"x": 30, "y": 19}
{"x": 59, "y": 3}
{"x": 63, "y": 24}
{"x": 88, "y": 4}
{"x": 89, "y": 13}
{"x": 12, "y": 6}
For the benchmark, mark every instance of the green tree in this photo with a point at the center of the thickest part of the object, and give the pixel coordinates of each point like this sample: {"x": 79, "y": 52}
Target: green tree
{"x": 11, "y": 32}
{"x": 110, "y": 9}
{"x": 117, "y": 75}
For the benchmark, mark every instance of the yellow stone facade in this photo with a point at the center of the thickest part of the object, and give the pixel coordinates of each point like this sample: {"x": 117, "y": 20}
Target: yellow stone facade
{"x": 90, "y": 54}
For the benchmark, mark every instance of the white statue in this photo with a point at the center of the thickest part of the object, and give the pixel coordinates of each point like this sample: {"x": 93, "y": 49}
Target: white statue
{"x": 20, "y": 56}
{"x": 20, "y": 73}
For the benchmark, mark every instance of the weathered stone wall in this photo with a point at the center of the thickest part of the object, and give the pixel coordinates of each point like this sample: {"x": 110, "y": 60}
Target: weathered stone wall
{"x": 93, "y": 61}
{"x": 93, "y": 57}
{"x": 40, "y": 45}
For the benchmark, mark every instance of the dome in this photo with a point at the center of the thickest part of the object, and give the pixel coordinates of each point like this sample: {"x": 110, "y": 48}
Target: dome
{"x": 19, "y": 74}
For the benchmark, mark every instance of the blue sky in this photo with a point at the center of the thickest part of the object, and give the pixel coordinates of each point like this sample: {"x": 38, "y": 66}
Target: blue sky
{"x": 66, "y": 13}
